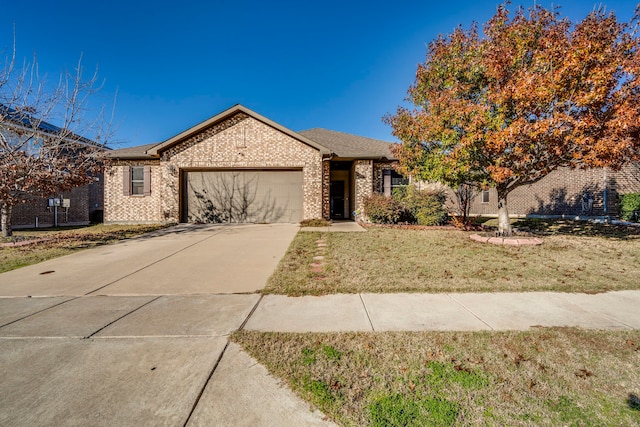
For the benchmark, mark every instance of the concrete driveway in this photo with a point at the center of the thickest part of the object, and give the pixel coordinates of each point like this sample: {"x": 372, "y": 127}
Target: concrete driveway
{"x": 135, "y": 333}
{"x": 181, "y": 260}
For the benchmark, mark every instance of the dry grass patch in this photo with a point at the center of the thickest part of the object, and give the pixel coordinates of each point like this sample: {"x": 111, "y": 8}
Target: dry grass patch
{"x": 396, "y": 260}
{"x": 63, "y": 241}
{"x": 559, "y": 376}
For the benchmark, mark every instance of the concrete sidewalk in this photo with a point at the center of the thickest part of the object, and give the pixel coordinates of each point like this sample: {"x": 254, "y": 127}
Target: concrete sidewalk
{"x": 440, "y": 312}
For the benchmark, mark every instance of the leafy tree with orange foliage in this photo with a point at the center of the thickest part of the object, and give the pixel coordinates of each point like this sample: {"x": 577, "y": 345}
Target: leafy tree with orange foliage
{"x": 533, "y": 93}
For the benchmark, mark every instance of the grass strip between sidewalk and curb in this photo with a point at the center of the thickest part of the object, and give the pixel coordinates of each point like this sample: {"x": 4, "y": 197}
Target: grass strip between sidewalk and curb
{"x": 546, "y": 376}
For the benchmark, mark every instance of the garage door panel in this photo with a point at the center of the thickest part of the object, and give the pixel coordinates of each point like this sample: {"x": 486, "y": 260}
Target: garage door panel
{"x": 243, "y": 196}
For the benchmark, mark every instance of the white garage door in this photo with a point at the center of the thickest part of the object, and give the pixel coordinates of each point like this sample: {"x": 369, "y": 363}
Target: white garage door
{"x": 258, "y": 196}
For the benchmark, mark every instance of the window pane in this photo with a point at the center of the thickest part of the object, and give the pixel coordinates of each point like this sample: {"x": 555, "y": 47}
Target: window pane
{"x": 137, "y": 188}
{"x": 397, "y": 179}
{"x": 137, "y": 173}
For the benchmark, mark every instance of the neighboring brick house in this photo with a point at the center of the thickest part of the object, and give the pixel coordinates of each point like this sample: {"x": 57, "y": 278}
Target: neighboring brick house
{"x": 239, "y": 166}
{"x": 565, "y": 191}
{"x": 84, "y": 204}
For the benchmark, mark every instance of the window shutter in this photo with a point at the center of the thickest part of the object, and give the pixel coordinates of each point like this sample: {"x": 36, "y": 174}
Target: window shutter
{"x": 147, "y": 181}
{"x": 126, "y": 181}
{"x": 386, "y": 182}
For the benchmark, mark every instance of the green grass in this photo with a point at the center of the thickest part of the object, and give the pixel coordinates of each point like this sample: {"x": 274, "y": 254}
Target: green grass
{"x": 315, "y": 222}
{"x": 546, "y": 376}
{"x": 409, "y": 260}
{"x": 63, "y": 241}
{"x": 399, "y": 410}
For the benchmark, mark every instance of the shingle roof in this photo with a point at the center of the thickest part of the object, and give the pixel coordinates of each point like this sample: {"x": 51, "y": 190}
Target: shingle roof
{"x": 350, "y": 146}
{"x": 326, "y": 141}
{"x": 23, "y": 121}
{"x": 137, "y": 152}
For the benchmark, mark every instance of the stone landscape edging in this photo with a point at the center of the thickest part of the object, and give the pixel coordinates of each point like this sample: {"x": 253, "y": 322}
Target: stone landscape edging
{"x": 512, "y": 241}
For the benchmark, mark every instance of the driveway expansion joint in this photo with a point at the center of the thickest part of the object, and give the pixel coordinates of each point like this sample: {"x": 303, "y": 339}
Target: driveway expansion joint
{"x": 204, "y": 386}
{"x": 39, "y": 311}
{"x": 122, "y": 317}
{"x": 255, "y": 306}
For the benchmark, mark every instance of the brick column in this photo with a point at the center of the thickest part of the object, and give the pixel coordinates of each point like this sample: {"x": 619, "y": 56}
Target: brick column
{"x": 363, "y": 176}
{"x": 326, "y": 182}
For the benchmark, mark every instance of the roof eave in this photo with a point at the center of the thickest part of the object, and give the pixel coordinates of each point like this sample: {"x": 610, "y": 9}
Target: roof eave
{"x": 132, "y": 157}
{"x": 335, "y": 156}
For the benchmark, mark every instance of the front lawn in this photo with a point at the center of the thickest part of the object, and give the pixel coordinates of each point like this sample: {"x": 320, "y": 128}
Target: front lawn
{"x": 587, "y": 259}
{"x": 62, "y": 241}
{"x": 558, "y": 376}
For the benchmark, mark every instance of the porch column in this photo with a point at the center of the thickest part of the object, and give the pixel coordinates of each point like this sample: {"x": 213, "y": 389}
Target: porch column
{"x": 363, "y": 177}
{"x": 326, "y": 182}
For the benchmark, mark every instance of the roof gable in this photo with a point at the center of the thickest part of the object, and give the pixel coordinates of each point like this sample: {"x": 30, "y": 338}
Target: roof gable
{"x": 157, "y": 149}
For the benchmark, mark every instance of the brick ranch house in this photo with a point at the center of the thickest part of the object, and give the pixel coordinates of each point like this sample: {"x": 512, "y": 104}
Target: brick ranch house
{"x": 239, "y": 166}
{"x": 82, "y": 205}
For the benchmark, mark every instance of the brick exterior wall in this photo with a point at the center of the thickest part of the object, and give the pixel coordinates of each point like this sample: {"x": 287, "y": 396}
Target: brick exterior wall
{"x": 119, "y": 208}
{"x": 560, "y": 193}
{"x": 362, "y": 181}
{"x": 240, "y": 142}
{"x": 24, "y": 215}
{"x": 326, "y": 188}
{"x": 96, "y": 199}
{"x": 86, "y": 204}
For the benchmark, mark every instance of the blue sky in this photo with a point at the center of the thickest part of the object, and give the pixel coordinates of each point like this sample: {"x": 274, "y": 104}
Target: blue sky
{"x": 339, "y": 65}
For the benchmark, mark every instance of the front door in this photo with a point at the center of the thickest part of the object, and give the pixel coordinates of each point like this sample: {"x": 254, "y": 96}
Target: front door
{"x": 337, "y": 200}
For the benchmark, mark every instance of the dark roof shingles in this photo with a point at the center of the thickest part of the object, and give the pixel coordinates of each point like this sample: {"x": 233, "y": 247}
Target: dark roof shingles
{"x": 139, "y": 151}
{"x": 350, "y": 146}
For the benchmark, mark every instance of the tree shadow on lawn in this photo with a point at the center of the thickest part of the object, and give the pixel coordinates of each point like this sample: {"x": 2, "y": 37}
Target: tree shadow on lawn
{"x": 634, "y": 402}
{"x": 549, "y": 227}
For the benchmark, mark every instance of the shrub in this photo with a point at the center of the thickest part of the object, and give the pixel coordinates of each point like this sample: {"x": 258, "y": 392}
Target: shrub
{"x": 424, "y": 207}
{"x": 382, "y": 210}
{"x": 630, "y": 203}
{"x": 408, "y": 204}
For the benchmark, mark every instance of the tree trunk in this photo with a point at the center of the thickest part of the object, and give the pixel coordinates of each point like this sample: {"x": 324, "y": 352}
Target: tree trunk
{"x": 504, "y": 225}
{"x": 5, "y": 219}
